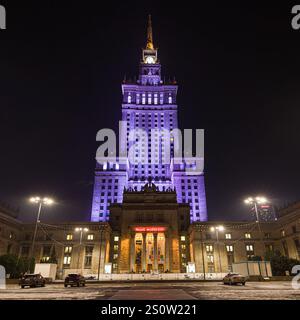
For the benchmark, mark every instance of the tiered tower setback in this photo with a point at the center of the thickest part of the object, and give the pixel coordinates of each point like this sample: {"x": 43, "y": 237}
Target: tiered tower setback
{"x": 149, "y": 104}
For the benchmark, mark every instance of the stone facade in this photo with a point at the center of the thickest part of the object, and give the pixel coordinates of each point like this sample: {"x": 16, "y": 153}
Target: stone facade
{"x": 149, "y": 224}
{"x": 150, "y": 212}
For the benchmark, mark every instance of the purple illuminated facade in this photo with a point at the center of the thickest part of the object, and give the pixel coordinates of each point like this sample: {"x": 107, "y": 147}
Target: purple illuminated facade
{"x": 148, "y": 103}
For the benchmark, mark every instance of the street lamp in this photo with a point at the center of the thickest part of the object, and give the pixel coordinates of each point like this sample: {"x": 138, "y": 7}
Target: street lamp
{"x": 40, "y": 201}
{"x": 81, "y": 230}
{"x": 217, "y": 230}
{"x": 255, "y": 202}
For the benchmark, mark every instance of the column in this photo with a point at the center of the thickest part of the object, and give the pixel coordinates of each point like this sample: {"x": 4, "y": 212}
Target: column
{"x": 144, "y": 253}
{"x": 167, "y": 252}
{"x": 132, "y": 252}
{"x": 155, "y": 268}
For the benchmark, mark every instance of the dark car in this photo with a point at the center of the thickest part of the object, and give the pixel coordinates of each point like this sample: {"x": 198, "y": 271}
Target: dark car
{"x": 32, "y": 280}
{"x": 74, "y": 279}
{"x": 234, "y": 278}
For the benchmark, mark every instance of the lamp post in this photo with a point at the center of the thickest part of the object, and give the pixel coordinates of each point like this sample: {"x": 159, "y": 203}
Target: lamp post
{"x": 99, "y": 265}
{"x": 217, "y": 230}
{"x": 81, "y": 230}
{"x": 255, "y": 202}
{"x": 41, "y": 202}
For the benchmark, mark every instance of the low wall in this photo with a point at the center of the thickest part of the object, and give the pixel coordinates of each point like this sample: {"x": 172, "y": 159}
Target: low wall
{"x": 160, "y": 276}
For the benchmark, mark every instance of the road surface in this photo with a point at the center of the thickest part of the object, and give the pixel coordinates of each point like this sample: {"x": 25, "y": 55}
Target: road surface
{"x": 156, "y": 291}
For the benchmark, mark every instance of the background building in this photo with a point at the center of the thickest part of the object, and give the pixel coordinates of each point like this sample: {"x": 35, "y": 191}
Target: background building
{"x": 120, "y": 242}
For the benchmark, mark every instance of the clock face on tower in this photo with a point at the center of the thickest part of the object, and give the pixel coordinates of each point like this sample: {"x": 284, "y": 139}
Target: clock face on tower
{"x": 150, "y": 59}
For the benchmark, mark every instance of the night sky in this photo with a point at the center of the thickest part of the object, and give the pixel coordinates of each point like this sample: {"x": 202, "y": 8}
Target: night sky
{"x": 61, "y": 67}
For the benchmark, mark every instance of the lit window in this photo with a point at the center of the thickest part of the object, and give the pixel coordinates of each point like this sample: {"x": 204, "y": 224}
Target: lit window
{"x": 227, "y": 235}
{"x": 170, "y": 99}
{"x": 116, "y": 247}
{"x": 143, "y": 98}
{"x": 209, "y": 248}
{"x": 210, "y": 258}
{"x": 69, "y": 236}
{"x": 155, "y": 98}
{"x": 248, "y": 235}
{"x": 129, "y": 98}
{"x": 283, "y": 233}
{"x": 90, "y": 237}
{"x": 182, "y": 238}
{"x": 68, "y": 249}
{"x": 149, "y": 98}
{"x": 229, "y": 248}
{"x": 249, "y": 248}
{"x": 67, "y": 260}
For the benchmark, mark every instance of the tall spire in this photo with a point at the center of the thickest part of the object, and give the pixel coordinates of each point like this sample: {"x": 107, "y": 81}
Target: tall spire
{"x": 149, "y": 45}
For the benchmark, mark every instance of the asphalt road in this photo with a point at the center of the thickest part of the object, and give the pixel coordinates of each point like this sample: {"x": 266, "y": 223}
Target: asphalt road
{"x": 156, "y": 291}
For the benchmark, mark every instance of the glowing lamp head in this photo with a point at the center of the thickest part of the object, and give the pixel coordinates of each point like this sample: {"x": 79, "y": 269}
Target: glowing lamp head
{"x": 48, "y": 201}
{"x": 221, "y": 228}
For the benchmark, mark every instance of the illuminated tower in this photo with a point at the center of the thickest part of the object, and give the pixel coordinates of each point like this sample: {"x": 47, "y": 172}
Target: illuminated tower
{"x": 149, "y": 105}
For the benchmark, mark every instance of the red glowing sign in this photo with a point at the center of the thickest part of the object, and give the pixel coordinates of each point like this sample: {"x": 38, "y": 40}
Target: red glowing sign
{"x": 149, "y": 229}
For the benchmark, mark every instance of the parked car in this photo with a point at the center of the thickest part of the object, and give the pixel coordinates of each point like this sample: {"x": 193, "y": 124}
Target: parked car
{"x": 74, "y": 279}
{"x": 234, "y": 278}
{"x": 32, "y": 280}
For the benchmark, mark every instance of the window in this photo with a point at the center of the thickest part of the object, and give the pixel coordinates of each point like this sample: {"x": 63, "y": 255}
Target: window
{"x": 182, "y": 238}
{"x": 282, "y": 233}
{"x": 67, "y": 260}
{"x": 209, "y": 248}
{"x": 269, "y": 247}
{"x": 68, "y": 249}
{"x": 229, "y": 248}
{"x": 88, "y": 256}
{"x": 25, "y": 251}
{"x": 294, "y": 229}
{"x": 227, "y": 235}
{"x": 46, "y": 253}
{"x": 247, "y": 235}
{"x": 90, "y": 236}
{"x": 249, "y": 248}
{"x": 69, "y": 237}
{"x": 170, "y": 99}
{"x": 210, "y": 258}
{"x": 129, "y": 98}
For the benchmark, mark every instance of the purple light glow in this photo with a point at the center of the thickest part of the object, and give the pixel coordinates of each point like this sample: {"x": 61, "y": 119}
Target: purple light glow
{"x": 148, "y": 103}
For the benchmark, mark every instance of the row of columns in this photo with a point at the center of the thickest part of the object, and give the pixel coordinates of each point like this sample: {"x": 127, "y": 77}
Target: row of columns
{"x": 144, "y": 257}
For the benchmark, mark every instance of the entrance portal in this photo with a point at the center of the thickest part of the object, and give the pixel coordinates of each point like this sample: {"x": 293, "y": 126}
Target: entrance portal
{"x": 153, "y": 259}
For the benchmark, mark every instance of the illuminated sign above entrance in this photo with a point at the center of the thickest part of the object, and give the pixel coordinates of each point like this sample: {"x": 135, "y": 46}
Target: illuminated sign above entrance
{"x": 149, "y": 229}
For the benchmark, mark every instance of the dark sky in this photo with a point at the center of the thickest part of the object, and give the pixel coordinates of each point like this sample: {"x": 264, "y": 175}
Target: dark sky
{"x": 61, "y": 66}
